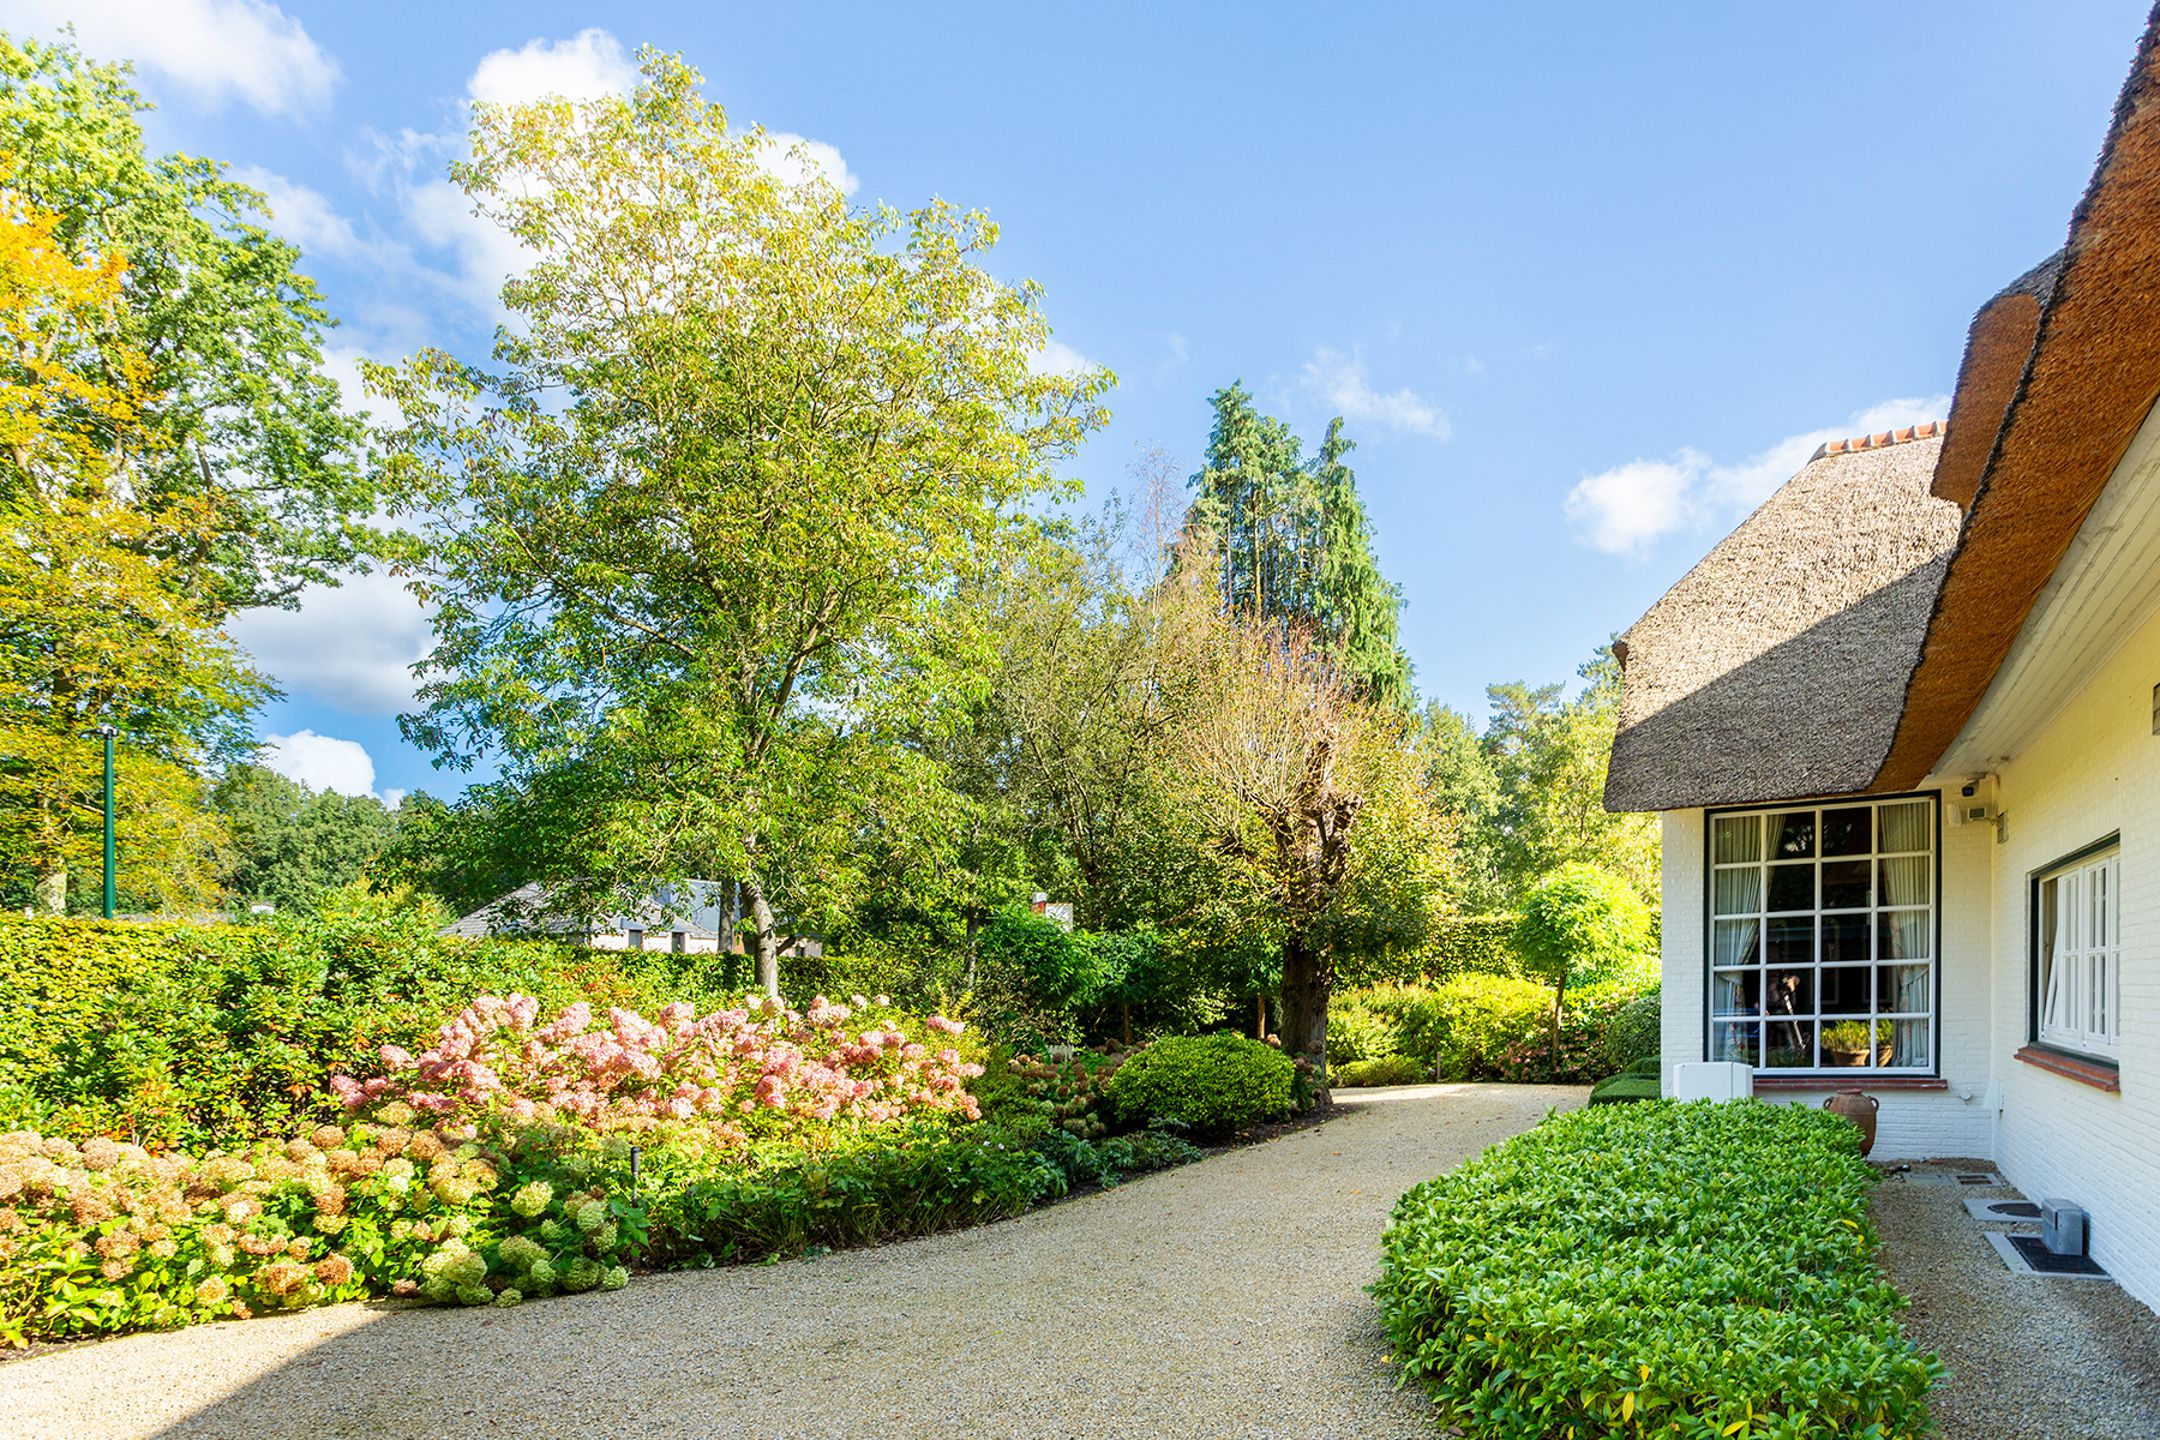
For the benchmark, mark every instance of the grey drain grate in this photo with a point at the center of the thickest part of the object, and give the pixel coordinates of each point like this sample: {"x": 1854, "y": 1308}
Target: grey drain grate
{"x": 2027, "y": 1256}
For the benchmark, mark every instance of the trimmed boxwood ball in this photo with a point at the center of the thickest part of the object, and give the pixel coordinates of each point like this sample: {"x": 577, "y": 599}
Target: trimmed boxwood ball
{"x": 1210, "y": 1084}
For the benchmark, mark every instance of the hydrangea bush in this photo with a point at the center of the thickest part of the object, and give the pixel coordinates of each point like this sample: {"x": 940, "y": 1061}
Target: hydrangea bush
{"x": 522, "y": 1156}
{"x": 105, "y": 1237}
{"x": 757, "y": 1070}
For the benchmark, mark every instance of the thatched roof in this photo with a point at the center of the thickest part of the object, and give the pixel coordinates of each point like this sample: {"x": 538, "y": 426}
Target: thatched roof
{"x": 1839, "y": 641}
{"x": 2089, "y": 378}
{"x": 1774, "y": 669}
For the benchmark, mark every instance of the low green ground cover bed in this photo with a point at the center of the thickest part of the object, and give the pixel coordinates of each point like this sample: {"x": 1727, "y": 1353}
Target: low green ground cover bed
{"x": 1658, "y": 1269}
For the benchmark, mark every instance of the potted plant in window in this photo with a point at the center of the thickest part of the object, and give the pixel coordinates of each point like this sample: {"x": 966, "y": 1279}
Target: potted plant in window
{"x": 1845, "y": 1042}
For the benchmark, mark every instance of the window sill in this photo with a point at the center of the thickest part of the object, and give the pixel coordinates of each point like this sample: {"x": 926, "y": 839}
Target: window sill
{"x": 2099, "y": 1075}
{"x": 1854, "y": 1080}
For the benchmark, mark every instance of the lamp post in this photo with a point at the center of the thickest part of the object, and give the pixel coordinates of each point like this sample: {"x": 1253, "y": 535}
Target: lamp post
{"x": 107, "y": 732}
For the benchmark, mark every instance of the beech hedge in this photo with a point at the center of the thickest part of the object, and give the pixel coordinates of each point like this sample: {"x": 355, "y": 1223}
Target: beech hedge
{"x": 1694, "y": 1272}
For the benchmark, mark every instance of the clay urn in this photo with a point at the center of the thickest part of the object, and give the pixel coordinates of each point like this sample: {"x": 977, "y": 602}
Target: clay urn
{"x": 1860, "y": 1109}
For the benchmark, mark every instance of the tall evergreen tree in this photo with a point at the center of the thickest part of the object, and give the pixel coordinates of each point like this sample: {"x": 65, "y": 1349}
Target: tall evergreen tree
{"x": 1357, "y": 605}
{"x": 1293, "y": 544}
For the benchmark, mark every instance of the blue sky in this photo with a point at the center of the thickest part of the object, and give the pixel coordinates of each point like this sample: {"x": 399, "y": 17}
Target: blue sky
{"x": 1588, "y": 281}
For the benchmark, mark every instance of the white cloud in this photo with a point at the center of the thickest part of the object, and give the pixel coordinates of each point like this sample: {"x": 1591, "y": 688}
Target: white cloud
{"x": 794, "y": 159}
{"x": 1058, "y": 358}
{"x": 1339, "y": 379}
{"x": 351, "y": 647}
{"x": 304, "y": 216}
{"x": 342, "y": 364}
{"x": 588, "y": 65}
{"x": 215, "y": 50}
{"x": 1624, "y": 510}
{"x": 321, "y": 762}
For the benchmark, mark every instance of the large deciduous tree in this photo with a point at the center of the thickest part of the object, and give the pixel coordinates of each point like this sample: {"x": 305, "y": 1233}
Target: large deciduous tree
{"x": 1549, "y": 755}
{"x": 100, "y": 621}
{"x": 291, "y": 844}
{"x": 697, "y": 531}
{"x": 247, "y": 426}
{"x": 176, "y": 453}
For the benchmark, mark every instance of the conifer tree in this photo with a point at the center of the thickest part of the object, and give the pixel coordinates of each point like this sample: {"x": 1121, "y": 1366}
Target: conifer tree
{"x": 1293, "y": 545}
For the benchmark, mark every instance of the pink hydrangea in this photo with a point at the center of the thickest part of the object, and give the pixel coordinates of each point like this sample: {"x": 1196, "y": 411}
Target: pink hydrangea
{"x": 764, "y": 1060}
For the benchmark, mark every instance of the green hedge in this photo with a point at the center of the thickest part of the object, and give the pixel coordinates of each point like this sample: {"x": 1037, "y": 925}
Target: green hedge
{"x": 1664, "y": 1270}
{"x": 199, "y": 1035}
{"x": 1209, "y": 1084}
{"x": 1495, "y": 1027}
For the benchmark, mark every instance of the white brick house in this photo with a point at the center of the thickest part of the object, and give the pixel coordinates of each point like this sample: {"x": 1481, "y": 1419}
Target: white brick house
{"x": 1903, "y": 728}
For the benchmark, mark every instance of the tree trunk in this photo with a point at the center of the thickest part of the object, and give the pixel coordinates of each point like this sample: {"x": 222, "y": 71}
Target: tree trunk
{"x": 765, "y": 942}
{"x": 1260, "y": 1003}
{"x": 1301, "y": 1009}
{"x": 50, "y": 894}
{"x": 1559, "y": 993}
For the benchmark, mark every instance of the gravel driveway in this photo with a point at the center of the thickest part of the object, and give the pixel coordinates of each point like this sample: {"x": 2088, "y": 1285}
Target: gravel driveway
{"x": 2030, "y": 1358}
{"x": 1221, "y": 1299}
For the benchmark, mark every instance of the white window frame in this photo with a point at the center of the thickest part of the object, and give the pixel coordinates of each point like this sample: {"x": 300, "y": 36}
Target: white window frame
{"x": 2077, "y": 954}
{"x": 1730, "y": 1019}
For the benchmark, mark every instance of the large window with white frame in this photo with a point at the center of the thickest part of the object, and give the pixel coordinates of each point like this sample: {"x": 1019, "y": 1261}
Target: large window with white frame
{"x": 1822, "y": 936}
{"x": 2077, "y": 979}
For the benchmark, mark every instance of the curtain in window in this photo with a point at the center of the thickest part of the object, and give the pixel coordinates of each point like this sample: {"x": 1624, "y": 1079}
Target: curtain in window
{"x": 1737, "y": 942}
{"x": 1904, "y": 827}
{"x": 1903, "y": 882}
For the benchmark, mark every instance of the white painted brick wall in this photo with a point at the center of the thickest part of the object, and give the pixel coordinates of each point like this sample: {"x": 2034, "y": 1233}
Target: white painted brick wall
{"x": 2093, "y": 770}
{"x": 1683, "y": 991}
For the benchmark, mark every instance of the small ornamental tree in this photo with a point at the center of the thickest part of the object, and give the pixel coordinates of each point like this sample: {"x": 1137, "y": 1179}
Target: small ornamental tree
{"x": 1581, "y": 922}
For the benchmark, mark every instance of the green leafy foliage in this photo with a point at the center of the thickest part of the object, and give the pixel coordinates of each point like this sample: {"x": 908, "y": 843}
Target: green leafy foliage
{"x": 1582, "y": 924}
{"x": 1388, "y": 1070}
{"x": 1493, "y": 1027}
{"x": 1655, "y": 1270}
{"x": 1636, "y": 1031}
{"x": 199, "y": 1035}
{"x": 1450, "y": 945}
{"x": 1480, "y": 1018}
{"x": 793, "y": 427}
{"x": 1530, "y": 788}
{"x": 289, "y": 844}
{"x": 1042, "y": 976}
{"x": 1208, "y": 1084}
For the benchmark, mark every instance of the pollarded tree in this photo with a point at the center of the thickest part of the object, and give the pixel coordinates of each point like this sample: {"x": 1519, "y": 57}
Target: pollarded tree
{"x": 1286, "y": 764}
{"x": 694, "y": 534}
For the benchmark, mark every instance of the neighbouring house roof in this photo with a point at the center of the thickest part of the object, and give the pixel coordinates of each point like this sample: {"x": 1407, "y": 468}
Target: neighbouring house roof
{"x": 1840, "y": 640}
{"x": 695, "y": 908}
{"x": 1774, "y": 668}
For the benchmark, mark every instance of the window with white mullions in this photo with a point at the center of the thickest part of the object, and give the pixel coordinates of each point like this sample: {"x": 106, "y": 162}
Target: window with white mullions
{"x": 2078, "y": 979}
{"x": 1822, "y": 936}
